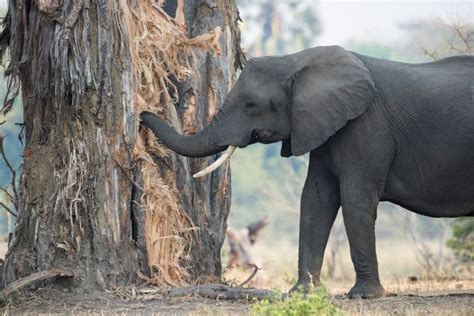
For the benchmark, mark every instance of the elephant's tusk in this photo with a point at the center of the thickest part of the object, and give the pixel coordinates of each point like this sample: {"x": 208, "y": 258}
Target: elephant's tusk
{"x": 216, "y": 164}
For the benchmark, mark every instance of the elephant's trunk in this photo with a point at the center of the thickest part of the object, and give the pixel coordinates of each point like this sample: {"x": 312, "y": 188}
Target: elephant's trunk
{"x": 202, "y": 144}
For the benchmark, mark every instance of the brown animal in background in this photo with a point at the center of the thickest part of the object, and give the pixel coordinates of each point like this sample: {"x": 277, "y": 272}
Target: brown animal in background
{"x": 241, "y": 241}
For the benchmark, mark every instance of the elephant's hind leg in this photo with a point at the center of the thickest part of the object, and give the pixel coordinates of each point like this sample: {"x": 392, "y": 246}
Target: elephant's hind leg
{"x": 359, "y": 209}
{"x": 319, "y": 206}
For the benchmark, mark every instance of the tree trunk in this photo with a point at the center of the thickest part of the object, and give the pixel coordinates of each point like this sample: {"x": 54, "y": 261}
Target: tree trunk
{"x": 82, "y": 186}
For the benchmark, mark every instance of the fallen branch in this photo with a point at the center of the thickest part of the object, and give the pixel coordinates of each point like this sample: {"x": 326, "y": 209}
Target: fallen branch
{"x": 35, "y": 277}
{"x": 221, "y": 291}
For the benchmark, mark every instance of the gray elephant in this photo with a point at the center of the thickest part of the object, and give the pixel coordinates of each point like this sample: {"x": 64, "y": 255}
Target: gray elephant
{"x": 376, "y": 130}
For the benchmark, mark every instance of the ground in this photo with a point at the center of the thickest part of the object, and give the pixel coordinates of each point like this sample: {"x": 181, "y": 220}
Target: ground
{"x": 427, "y": 297}
{"x": 448, "y": 297}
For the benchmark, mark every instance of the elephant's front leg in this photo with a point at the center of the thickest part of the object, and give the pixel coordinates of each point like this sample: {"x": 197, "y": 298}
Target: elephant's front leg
{"x": 319, "y": 206}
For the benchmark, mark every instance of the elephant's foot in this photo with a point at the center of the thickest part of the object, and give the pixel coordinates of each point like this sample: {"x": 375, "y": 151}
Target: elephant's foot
{"x": 304, "y": 286}
{"x": 366, "y": 290}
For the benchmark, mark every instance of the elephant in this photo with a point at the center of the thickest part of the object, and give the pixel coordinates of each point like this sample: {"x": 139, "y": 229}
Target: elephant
{"x": 375, "y": 130}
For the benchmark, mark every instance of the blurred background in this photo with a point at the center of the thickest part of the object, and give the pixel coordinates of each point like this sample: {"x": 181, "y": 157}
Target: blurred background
{"x": 264, "y": 184}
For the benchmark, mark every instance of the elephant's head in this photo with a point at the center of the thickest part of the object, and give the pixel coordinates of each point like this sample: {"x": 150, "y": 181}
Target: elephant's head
{"x": 300, "y": 99}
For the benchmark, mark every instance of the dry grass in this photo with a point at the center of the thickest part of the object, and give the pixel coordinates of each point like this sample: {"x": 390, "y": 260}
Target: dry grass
{"x": 160, "y": 51}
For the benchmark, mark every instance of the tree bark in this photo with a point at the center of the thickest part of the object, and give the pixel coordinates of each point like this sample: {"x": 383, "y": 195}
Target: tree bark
{"x": 208, "y": 199}
{"x": 79, "y": 191}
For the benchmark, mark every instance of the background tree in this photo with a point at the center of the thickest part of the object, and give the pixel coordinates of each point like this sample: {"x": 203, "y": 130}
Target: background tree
{"x": 279, "y": 27}
{"x": 97, "y": 195}
{"x": 462, "y": 241}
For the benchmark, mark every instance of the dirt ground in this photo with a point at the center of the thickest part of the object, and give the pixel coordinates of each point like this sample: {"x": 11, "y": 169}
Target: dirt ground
{"x": 454, "y": 297}
{"x": 441, "y": 297}
{"x": 449, "y": 296}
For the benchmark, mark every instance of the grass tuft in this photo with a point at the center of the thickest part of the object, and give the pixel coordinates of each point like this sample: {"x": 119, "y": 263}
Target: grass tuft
{"x": 317, "y": 302}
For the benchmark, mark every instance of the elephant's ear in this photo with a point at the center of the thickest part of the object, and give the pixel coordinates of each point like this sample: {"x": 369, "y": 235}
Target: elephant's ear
{"x": 332, "y": 89}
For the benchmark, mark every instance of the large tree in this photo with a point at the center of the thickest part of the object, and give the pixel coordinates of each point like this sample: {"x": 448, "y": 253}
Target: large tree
{"x": 97, "y": 194}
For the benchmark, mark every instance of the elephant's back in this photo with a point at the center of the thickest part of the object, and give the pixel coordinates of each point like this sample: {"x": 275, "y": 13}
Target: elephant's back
{"x": 430, "y": 111}
{"x": 430, "y": 96}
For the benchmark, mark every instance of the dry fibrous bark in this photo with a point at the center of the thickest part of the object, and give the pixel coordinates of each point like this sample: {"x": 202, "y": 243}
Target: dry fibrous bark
{"x": 83, "y": 188}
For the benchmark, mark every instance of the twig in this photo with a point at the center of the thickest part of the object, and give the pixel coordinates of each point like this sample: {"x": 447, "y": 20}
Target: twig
{"x": 461, "y": 43}
{"x": 12, "y": 171}
{"x": 9, "y": 210}
{"x": 251, "y": 276}
{"x": 10, "y": 196}
{"x": 433, "y": 55}
{"x": 463, "y": 35}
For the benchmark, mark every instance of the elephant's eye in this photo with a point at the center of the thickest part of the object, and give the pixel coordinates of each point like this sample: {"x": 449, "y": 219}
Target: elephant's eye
{"x": 251, "y": 108}
{"x": 250, "y": 105}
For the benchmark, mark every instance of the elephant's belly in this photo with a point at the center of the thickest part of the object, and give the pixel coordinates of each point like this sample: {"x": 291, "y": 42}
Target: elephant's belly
{"x": 427, "y": 207}
{"x": 432, "y": 189}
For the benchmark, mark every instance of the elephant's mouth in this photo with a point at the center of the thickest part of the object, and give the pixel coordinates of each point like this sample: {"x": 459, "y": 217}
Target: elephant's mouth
{"x": 261, "y": 136}
{"x": 264, "y": 136}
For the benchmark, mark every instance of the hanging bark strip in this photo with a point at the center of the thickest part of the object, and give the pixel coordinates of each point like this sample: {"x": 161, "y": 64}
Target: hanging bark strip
{"x": 172, "y": 236}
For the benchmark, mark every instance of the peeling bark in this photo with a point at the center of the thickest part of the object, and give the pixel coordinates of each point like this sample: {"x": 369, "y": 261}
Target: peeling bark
{"x": 209, "y": 197}
{"x": 207, "y": 200}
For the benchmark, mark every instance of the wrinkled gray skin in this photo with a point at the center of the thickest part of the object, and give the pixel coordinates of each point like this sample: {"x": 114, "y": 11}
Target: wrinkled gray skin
{"x": 376, "y": 130}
